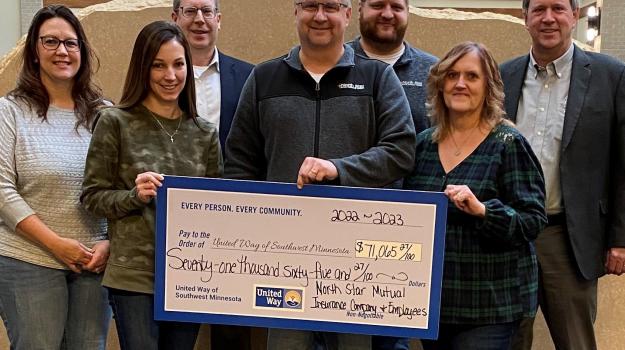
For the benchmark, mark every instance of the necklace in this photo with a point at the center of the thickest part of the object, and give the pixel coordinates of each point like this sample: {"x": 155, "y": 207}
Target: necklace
{"x": 459, "y": 148}
{"x": 171, "y": 136}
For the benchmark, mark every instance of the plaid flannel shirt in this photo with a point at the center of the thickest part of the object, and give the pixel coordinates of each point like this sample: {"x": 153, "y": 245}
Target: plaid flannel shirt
{"x": 490, "y": 273}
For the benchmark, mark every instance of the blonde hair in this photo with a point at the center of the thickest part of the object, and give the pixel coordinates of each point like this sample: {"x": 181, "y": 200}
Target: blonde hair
{"x": 493, "y": 112}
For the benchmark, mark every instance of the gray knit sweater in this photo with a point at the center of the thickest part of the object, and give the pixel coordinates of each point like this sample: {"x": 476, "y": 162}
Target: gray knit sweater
{"x": 41, "y": 172}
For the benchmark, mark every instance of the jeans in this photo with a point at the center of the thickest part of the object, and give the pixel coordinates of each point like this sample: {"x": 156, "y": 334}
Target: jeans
{"x": 137, "y": 329}
{"x": 473, "y": 337}
{"x": 46, "y": 308}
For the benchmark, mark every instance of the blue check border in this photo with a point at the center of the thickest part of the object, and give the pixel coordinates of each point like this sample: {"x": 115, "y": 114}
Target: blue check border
{"x": 435, "y": 198}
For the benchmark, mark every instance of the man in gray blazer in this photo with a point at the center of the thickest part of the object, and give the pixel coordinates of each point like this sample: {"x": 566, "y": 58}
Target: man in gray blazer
{"x": 570, "y": 104}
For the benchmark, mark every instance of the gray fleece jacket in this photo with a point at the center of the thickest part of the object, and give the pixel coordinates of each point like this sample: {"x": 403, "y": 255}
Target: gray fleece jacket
{"x": 357, "y": 116}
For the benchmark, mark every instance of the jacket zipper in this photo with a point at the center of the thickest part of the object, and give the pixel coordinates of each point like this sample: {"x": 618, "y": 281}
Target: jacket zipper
{"x": 317, "y": 120}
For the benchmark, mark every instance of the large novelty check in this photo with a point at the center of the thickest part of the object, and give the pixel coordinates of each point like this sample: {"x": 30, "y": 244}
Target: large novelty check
{"x": 323, "y": 258}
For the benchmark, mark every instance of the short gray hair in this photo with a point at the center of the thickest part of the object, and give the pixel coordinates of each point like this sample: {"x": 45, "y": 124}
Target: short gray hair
{"x": 177, "y": 4}
{"x": 526, "y": 5}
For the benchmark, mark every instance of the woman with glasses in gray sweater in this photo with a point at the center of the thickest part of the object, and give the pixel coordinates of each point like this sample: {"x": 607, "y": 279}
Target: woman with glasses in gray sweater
{"x": 52, "y": 252}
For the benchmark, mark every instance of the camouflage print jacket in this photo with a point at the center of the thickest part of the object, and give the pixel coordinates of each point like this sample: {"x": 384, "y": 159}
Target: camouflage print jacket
{"x": 124, "y": 144}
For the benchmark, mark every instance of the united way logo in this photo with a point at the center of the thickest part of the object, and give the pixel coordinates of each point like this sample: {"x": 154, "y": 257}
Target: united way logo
{"x": 278, "y": 298}
{"x": 293, "y": 299}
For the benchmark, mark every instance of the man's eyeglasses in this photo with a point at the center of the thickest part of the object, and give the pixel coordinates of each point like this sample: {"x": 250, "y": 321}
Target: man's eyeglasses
{"x": 328, "y": 7}
{"x": 53, "y": 43}
{"x": 191, "y": 12}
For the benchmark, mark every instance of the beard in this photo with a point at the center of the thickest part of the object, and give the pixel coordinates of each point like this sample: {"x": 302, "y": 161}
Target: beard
{"x": 369, "y": 31}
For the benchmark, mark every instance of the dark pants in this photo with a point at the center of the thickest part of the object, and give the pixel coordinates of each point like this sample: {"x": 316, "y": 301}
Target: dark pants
{"x": 389, "y": 343}
{"x": 288, "y": 339}
{"x": 473, "y": 337}
{"x": 230, "y": 337}
{"x": 567, "y": 300}
{"x": 137, "y": 329}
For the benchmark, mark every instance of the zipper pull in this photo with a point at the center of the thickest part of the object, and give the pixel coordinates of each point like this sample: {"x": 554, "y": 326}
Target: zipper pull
{"x": 317, "y": 88}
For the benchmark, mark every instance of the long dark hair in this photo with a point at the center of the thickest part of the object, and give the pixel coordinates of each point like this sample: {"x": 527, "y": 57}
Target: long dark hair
{"x": 29, "y": 88}
{"x": 147, "y": 45}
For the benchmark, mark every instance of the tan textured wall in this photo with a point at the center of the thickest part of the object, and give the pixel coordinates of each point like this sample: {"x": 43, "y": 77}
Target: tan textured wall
{"x": 266, "y": 30}
{"x": 612, "y": 28}
{"x": 256, "y": 35}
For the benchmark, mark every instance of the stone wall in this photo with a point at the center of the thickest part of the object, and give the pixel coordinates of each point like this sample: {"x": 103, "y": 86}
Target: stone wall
{"x": 256, "y": 35}
{"x": 613, "y": 28}
{"x": 28, "y": 8}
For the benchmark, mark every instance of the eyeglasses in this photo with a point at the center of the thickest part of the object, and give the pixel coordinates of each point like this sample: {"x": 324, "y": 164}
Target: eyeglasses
{"x": 328, "y": 7}
{"x": 191, "y": 12}
{"x": 53, "y": 43}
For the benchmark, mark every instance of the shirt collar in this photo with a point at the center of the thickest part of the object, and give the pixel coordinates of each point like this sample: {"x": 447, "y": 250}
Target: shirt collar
{"x": 557, "y": 65}
{"x": 214, "y": 62}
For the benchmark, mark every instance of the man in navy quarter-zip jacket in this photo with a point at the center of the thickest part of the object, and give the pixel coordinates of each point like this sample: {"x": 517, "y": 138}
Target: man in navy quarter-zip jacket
{"x": 321, "y": 114}
{"x": 383, "y": 25}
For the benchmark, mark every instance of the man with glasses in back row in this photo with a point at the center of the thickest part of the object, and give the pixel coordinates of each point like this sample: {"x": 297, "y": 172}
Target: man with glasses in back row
{"x": 219, "y": 79}
{"x": 321, "y": 114}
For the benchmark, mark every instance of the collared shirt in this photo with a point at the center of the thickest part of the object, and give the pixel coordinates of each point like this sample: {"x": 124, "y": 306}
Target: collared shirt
{"x": 208, "y": 90}
{"x": 540, "y": 118}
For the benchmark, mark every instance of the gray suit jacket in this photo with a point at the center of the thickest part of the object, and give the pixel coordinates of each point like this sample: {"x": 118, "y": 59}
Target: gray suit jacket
{"x": 592, "y": 163}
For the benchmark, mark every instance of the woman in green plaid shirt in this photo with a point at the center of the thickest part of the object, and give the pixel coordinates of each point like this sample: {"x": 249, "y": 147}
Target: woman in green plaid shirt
{"x": 496, "y": 191}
